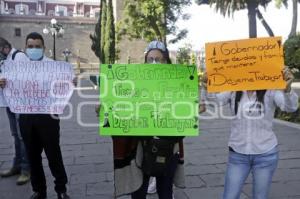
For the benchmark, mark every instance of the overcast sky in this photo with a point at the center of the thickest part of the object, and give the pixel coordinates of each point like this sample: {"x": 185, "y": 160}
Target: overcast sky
{"x": 205, "y": 25}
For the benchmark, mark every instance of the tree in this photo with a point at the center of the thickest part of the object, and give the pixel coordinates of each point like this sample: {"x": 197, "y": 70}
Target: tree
{"x": 293, "y": 31}
{"x": 292, "y": 52}
{"x": 295, "y": 16}
{"x": 184, "y": 54}
{"x": 103, "y": 28}
{"x": 228, "y": 7}
{"x": 193, "y": 58}
{"x": 109, "y": 46}
{"x": 153, "y": 19}
{"x": 96, "y": 39}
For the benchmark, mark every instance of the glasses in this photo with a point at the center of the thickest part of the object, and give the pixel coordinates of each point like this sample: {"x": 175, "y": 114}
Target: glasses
{"x": 155, "y": 60}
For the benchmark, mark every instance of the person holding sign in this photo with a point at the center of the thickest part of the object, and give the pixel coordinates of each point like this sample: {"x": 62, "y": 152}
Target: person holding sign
{"x": 133, "y": 162}
{"x": 20, "y": 162}
{"x": 253, "y": 146}
{"x": 41, "y": 132}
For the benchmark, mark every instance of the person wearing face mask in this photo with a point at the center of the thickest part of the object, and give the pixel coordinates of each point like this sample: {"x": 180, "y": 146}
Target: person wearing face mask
{"x": 128, "y": 152}
{"x": 20, "y": 162}
{"x": 42, "y": 132}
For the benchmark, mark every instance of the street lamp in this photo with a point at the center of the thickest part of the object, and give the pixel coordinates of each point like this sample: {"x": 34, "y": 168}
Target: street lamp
{"x": 55, "y": 29}
{"x": 66, "y": 53}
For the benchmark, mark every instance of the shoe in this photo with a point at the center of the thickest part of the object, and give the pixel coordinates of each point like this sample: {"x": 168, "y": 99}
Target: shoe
{"x": 152, "y": 186}
{"x": 38, "y": 195}
{"x": 23, "y": 179}
{"x": 63, "y": 196}
{"x": 11, "y": 172}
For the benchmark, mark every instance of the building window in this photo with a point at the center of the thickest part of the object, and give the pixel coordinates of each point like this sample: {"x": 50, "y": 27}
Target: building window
{"x": 18, "y": 32}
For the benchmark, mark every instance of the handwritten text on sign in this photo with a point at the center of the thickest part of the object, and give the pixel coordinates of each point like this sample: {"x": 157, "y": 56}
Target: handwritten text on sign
{"x": 148, "y": 100}
{"x": 250, "y": 64}
{"x": 38, "y": 87}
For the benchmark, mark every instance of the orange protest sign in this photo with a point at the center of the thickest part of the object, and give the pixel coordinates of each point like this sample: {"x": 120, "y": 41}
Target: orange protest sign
{"x": 249, "y": 64}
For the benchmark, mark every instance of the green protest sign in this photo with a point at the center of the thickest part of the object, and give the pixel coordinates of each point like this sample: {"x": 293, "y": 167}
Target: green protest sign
{"x": 148, "y": 100}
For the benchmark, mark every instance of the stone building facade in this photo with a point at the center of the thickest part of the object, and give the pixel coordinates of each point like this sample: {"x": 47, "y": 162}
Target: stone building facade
{"x": 78, "y": 17}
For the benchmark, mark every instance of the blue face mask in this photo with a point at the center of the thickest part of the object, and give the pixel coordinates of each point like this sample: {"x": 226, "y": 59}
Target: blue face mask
{"x": 35, "y": 54}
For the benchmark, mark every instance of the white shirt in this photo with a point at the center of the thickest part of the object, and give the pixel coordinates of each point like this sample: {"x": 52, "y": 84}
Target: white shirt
{"x": 252, "y": 132}
{"x": 20, "y": 56}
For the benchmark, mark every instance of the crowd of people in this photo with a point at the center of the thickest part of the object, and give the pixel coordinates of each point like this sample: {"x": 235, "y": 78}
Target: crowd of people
{"x": 253, "y": 146}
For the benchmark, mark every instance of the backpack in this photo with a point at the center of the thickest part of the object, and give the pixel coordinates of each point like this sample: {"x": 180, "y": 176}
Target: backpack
{"x": 13, "y": 56}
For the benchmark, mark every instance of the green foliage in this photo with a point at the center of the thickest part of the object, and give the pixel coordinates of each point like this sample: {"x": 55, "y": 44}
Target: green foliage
{"x": 103, "y": 28}
{"x": 279, "y": 3}
{"x": 184, "y": 55}
{"x": 292, "y": 52}
{"x": 193, "y": 59}
{"x": 96, "y": 38}
{"x": 153, "y": 19}
{"x": 290, "y": 117}
{"x": 109, "y": 47}
{"x": 228, "y": 7}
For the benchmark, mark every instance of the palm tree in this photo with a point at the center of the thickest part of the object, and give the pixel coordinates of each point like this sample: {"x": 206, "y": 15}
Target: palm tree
{"x": 228, "y": 7}
{"x": 295, "y": 16}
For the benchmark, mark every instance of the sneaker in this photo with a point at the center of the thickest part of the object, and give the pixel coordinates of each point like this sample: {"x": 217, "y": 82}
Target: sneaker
{"x": 152, "y": 186}
{"x": 23, "y": 179}
{"x": 63, "y": 196}
{"x": 11, "y": 172}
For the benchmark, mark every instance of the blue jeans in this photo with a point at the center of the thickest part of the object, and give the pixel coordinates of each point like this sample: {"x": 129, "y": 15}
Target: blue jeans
{"x": 20, "y": 160}
{"x": 262, "y": 167}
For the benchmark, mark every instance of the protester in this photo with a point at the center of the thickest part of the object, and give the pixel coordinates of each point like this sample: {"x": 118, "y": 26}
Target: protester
{"x": 202, "y": 108}
{"x": 41, "y": 132}
{"x": 20, "y": 162}
{"x": 253, "y": 146}
{"x": 128, "y": 152}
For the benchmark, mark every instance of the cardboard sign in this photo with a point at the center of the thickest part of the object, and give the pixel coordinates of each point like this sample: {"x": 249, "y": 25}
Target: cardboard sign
{"x": 38, "y": 87}
{"x": 148, "y": 100}
{"x": 250, "y": 64}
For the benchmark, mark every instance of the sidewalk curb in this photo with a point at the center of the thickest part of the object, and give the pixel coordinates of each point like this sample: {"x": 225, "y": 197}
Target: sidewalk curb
{"x": 289, "y": 124}
{"x": 296, "y": 85}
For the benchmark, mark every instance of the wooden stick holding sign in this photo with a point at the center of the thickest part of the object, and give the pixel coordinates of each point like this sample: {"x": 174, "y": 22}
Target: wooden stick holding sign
{"x": 249, "y": 64}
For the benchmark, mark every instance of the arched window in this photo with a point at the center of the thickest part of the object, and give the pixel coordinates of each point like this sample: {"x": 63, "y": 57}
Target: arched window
{"x": 22, "y": 9}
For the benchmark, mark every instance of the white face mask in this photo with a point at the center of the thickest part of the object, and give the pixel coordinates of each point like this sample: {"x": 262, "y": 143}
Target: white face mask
{"x": 35, "y": 54}
{"x": 155, "y": 62}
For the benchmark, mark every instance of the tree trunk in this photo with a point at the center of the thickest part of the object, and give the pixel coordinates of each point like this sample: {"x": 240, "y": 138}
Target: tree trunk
{"x": 295, "y": 16}
{"x": 264, "y": 23}
{"x": 252, "y": 5}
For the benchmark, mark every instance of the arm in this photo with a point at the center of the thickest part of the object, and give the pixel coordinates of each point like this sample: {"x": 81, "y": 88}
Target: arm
{"x": 286, "y": 101}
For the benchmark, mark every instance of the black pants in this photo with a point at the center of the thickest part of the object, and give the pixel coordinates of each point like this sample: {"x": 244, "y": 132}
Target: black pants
{"x": 164, "y": 184}
{"x": 41, "y": 132}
